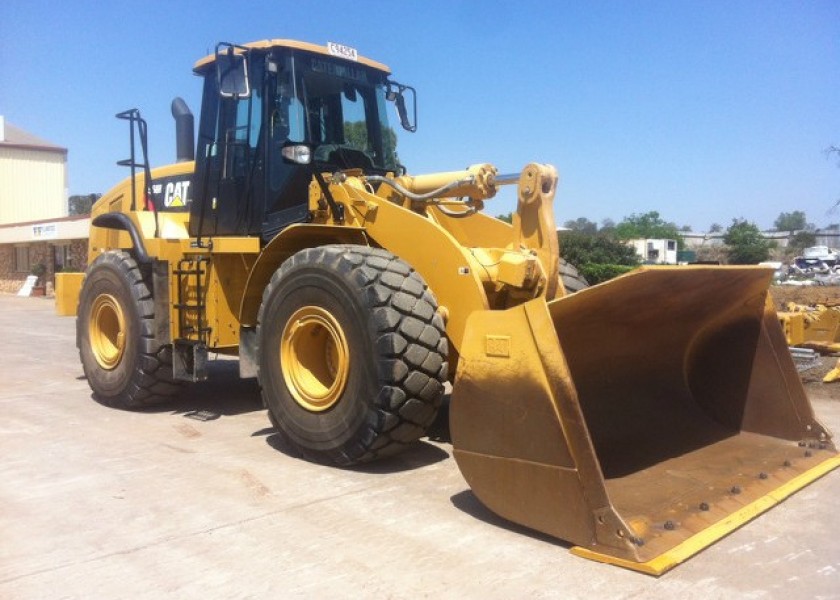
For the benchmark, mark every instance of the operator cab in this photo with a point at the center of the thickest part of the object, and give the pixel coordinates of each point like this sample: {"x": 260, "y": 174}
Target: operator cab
{"x": 274, "y": 114}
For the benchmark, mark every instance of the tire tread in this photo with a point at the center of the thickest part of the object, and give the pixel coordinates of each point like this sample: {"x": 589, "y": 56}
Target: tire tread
{"x": 151, "y": 382}
{"x": 409, "y": 339}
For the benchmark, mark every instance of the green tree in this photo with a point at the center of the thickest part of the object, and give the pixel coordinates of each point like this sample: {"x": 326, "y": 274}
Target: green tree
{"x": 507, "y": 218}
{"x": 583, "y": 225}
{"x": 582, "y": 249}
{"x": 715, "y": 228}
{"x": 389, "y": 147}
{"x": 801, "y": 240}
{"x": 81, "y": 205}
{"x": 356, "y": 136}
{"x": 746, "y": 244}
{"x": 792, "y": 221}
{"x": 597, "y": 257}
{"x": 647, "y": 226}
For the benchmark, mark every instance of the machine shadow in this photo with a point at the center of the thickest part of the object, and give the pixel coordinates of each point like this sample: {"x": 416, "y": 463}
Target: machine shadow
{"x": 438, "y": 431}
{"x": 223, "y": 394}
{"x": 467, "y": 502}
{"x": 417, "y": 455}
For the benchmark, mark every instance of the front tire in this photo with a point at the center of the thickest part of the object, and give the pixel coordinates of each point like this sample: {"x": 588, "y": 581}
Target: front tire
{"x": 115, "y": 336}
{"x": 353, "y": 354}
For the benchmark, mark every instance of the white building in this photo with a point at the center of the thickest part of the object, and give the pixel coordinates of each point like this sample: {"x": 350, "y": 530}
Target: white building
{"x": 656, "y": 251}
{"x": 34, "y": 226}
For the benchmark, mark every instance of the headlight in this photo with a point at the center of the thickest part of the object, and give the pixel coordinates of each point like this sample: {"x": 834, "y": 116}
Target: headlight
{"x": 298, "y": 153}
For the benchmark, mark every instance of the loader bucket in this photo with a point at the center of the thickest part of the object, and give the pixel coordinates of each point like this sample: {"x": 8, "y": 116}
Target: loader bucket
{"x": 641, "y": 419}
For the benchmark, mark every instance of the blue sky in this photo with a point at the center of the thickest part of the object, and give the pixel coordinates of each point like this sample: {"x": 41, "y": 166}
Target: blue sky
{"x": 703, "y": 111}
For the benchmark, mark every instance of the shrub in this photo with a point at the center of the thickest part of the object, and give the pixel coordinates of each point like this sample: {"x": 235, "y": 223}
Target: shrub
{"x": 746, "y": 244}
{"x": 582, "y": 249}
{"x": 598, "y": 272}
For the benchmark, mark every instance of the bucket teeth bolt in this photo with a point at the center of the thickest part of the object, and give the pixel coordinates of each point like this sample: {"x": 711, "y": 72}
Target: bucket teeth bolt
{"x": 787, "y": 463}
{"x": 808, "y": 454}
{"x": 735, "y": 489}
{"x": 762, "y": 475}
{"x": 670, "y": 526}
{"x": 704, "y": 506}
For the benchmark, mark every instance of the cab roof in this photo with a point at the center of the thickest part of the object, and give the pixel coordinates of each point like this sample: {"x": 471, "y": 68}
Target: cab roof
{"x": 296, "y": 45}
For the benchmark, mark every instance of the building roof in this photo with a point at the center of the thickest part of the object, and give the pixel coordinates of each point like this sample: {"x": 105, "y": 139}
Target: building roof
{"x": 15, "y": 137}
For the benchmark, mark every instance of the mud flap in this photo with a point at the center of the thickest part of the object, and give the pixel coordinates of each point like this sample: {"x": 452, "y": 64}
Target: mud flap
{"x": 641, "y": 419}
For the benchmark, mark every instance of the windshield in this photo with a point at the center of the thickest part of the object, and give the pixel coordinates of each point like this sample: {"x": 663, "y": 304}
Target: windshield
{"x": 340, "y": 109}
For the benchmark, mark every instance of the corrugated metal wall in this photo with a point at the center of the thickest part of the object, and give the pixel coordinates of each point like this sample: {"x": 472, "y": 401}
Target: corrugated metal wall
{"x": 34, "y": 185}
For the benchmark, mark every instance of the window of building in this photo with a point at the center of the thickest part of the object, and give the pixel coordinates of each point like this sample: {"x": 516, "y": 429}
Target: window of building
{"x": 22, "y": 259}
{"x": 672, "y": 245}
{"x": 61, "y": 255}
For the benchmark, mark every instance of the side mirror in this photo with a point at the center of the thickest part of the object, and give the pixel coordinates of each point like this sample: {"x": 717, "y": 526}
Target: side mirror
{"x": 396, "y": 94}
{"x": 232, "y": 72}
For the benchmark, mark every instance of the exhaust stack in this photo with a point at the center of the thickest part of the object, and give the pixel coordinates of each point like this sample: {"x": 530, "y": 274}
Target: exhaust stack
{"x": 184, "y": 130}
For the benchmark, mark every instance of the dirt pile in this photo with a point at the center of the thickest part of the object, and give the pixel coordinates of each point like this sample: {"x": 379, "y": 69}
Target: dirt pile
{"x": 814, "y": 294}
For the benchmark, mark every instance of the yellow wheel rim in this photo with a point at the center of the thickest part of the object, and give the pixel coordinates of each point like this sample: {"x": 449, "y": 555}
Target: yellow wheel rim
{"x": 314, "y": 358}
{"x": 107, "y": 331}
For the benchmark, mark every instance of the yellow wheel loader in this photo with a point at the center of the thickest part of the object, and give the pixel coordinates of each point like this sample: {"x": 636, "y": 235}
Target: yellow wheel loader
{"x": 640, "y": 419}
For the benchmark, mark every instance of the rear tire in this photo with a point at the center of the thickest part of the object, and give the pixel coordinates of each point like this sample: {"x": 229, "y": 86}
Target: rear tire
{"x": 352, "y": 354}
{"x": 115, "y": 336}
{"x": 573, "y": 281}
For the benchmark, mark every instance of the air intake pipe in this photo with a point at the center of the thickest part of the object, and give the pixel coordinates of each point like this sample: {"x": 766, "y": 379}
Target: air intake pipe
{"x": 184, "y": 130}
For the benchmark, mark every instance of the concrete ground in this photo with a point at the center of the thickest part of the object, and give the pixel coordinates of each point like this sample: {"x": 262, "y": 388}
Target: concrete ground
{"x": 195, "y": 500}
